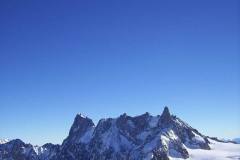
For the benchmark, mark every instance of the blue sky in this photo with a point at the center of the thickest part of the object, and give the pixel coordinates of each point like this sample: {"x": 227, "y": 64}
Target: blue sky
{"x": 104, "y": 58}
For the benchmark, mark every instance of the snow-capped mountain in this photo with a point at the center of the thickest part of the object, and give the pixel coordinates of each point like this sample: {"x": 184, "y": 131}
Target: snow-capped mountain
{"x": 2, "y": 141}
{"x": 143, "y": 137}
{"x": 237, "y": 140}
{"x": 18, "y": 150}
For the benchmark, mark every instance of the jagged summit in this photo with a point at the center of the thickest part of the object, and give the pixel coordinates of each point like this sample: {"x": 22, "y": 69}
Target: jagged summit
{"x": 165, "y": 118}
{"x": 126, "y": 137}
{"x": 133, "y": 138}
{"x": 80, "y": 119}
{"x": 81, "y": 123}
{"x": 166, "y": 112}
{"x": 79, "y": 128}
{"x": 81, "y": 115}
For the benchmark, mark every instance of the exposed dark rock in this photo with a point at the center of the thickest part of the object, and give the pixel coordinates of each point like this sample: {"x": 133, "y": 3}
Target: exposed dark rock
{"x": 123, "y": 138}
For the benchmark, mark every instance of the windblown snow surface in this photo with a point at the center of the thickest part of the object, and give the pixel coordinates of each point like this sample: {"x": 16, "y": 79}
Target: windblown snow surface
{"x": 219, "y": 151}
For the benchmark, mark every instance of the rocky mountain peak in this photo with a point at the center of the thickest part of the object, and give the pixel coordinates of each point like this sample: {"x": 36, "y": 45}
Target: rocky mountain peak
{"x": 125, "y": 137}
{"x": 165, "y": 117}
{"x": 81, "y": 130}
{"x": 166, "y": 112}
{"x": 17, "y": 142}
{"x": 81, "y": 124}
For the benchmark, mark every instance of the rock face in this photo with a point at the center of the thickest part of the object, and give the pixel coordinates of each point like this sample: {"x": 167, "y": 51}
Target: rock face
{"x": 123, "y": 138}
{"x": 18, "y": 150}
{"x": 75, "y": 145}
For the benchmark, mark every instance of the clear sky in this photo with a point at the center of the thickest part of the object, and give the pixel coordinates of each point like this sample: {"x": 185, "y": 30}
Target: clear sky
{"x": 104, "y": 58}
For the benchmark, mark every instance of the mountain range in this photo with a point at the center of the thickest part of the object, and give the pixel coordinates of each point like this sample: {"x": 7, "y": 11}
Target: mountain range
{"x": 143, "y": 137}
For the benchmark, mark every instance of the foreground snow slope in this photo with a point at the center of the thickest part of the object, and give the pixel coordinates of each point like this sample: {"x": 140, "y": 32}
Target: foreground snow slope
{"x": 219, "y": 151}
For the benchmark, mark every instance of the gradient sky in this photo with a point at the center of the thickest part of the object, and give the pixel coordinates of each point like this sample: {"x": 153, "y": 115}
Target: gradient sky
{"x": 104, "y": 58}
